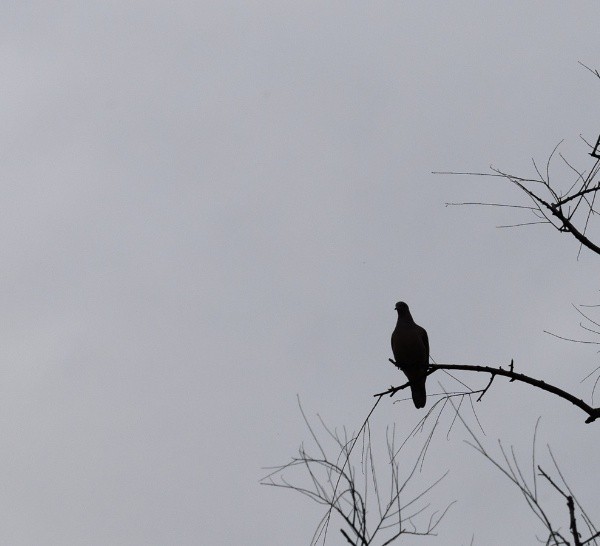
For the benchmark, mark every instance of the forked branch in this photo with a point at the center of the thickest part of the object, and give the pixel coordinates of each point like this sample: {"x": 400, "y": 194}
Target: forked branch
{"x": 567, "y": 205}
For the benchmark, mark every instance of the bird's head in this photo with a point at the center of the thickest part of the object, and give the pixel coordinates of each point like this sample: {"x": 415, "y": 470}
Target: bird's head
{"x": 402, "y": 308}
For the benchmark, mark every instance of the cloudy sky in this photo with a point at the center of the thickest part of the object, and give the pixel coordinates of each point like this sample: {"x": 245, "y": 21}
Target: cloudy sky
{"x": 211, "y": 208}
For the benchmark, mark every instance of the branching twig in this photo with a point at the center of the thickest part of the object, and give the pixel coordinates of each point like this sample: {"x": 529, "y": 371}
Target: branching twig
{"x": 549, "y": 204}
{"x": 570, "y": 506}
{"x": 356, "y": 497}
{"x": 509, "y": 465}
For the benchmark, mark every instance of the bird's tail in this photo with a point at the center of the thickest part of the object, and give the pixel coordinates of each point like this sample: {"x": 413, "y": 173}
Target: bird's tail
{"x": 419, "y": 394}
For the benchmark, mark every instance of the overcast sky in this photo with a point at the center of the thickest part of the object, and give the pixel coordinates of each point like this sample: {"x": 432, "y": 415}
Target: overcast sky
{"x": 210, "y": 208}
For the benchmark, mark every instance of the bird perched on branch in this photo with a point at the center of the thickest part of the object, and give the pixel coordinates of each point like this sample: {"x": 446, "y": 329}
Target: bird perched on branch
{"x": 410, "y": 346}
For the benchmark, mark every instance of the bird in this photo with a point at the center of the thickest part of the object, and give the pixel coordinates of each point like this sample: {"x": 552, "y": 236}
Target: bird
{"x": 410, "y": 346}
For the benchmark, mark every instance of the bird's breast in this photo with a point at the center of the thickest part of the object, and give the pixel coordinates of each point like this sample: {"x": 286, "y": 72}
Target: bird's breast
{"x": 408, "y": 347}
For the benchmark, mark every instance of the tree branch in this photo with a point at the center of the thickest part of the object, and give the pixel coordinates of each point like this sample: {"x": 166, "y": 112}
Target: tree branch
{"x": 570, "y": 506}
{"x": 546, "y": 208}
{"x": 593, "y": 413}
{"x": 568, "y": 226}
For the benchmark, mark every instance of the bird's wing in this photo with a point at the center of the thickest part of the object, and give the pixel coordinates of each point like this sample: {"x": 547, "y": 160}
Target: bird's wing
{"x": 425, "y": 339}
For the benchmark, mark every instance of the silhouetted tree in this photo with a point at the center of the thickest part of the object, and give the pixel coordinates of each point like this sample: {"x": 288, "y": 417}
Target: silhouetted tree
{"x": 567, "y": 203}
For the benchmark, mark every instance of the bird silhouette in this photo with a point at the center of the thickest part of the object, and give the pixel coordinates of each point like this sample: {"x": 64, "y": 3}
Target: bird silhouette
{"x": 410, "y": 346}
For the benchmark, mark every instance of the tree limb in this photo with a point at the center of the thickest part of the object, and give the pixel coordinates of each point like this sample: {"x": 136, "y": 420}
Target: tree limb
{"x": 593, "y": 413}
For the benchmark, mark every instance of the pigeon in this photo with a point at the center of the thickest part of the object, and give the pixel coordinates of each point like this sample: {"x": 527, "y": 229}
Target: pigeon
{"x": 410, "y": 346}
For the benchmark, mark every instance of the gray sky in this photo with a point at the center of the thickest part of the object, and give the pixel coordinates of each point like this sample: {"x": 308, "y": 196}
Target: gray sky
{"x": 209, "y": 208}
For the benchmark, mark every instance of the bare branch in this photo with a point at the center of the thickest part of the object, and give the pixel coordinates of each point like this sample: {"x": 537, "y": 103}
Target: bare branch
{"x": 552, "y": 206}
{"x": 524, "y": 224}
{"x": 593, "y": 413}
{"x": 570, "y": 506}
{"x": 573, "y": 340}
{"x": 490, "y": 205}
{"x": 594, "y": 72}
{"x": 354, "y": 496}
